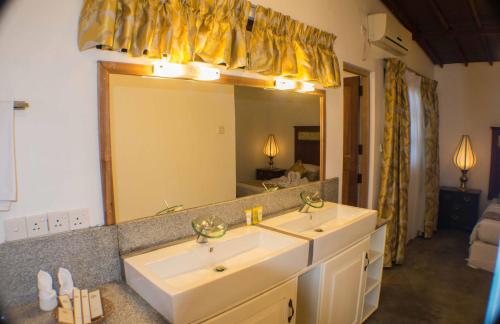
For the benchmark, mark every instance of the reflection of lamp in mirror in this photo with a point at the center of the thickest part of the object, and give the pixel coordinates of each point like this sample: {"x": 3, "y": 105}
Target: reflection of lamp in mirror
{"x": 464, "y": 159}
{"x": 271, "y": 149}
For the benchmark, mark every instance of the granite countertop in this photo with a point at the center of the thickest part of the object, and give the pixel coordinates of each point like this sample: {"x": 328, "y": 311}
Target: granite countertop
{"x": 126, "y": 307}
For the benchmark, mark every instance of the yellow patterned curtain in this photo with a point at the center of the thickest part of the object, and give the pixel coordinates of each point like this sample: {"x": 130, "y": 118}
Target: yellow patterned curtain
{"x": 181, "y": 30}
{"x": 213, "y": 31}
{"x": 430, "y": 103}
{"x": 281, "y": 46}
{"x": 395, "y": 171}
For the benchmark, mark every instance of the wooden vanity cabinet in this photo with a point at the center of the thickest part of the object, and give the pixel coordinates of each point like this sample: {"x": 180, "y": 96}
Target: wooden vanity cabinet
{"x": 277, "y": 306}
{"x": 344, "y": 289}
{"x": 333, "y": 291}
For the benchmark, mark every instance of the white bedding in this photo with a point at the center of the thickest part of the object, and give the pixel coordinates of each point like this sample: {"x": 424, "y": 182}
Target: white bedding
{"x": 482, "y": 256}
{"x": 292, "y": 179}
{"x": 487, "y": 230}
{"x": 484, "y": 239}
{"x": 249, "y": 188}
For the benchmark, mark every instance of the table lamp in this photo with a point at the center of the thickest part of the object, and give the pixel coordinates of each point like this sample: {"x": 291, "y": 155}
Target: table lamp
{"x": 464, "y": 159}
{"x": 271, "y": 149}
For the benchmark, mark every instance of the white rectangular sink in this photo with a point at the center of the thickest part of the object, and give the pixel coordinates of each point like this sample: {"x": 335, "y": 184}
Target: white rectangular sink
{"x": 331, "y": 228}
{"x": 182, "y": 283}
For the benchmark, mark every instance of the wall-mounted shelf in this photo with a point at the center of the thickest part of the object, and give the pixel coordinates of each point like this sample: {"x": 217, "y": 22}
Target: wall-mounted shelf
{"x": 371, "y": 284}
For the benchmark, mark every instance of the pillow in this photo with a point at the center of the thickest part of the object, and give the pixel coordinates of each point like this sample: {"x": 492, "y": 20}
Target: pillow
{"x": 298, "y": 167}
{"x": 311, "y": 167}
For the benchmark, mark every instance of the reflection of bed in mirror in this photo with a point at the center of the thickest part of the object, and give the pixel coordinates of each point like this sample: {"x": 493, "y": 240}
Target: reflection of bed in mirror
{"x": 305, "y": 169}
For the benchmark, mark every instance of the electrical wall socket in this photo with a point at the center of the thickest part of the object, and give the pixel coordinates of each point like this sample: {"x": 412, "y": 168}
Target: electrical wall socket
{"x": 79, "y": 218}
{"x": 58, "y": 222}
{"x": 15, "y": 229}
{"x": 37, "y": 225}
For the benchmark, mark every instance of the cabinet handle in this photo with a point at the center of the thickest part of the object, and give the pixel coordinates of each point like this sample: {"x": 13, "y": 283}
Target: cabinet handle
{"x": 290, "y": 308}
{"x": 367, "y": 260}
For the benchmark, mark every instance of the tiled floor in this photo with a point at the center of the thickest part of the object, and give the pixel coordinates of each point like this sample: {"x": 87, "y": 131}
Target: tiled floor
{"x": 434, "y": 285}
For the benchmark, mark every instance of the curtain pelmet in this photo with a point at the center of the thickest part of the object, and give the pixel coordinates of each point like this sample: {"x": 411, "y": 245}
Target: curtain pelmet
{"x": 181, "y": 30}
{"x": 430, "y": 103}
{"x": 281, "y": 46}
{"x": 212, "y": 31}
{"x": 395, "y": 171}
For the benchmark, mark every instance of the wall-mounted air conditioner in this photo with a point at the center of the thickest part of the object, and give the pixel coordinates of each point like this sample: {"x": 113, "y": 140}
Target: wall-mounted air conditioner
{"x": 387, "y": 33}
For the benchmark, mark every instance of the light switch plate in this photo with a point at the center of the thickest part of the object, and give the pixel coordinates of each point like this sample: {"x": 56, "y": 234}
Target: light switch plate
{"x": 58, "y": 222}
{"x": 15, "y": 229}
{"x": 79, "y": 218}
{"x": 37, "y": 225}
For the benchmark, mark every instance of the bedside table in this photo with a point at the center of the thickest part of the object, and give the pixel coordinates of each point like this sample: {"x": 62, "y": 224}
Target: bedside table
{"x": 267, "y": 173}
{"x": 458, "y": 209}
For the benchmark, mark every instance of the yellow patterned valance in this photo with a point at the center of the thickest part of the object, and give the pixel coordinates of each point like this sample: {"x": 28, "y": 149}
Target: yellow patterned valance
{"x": 212, "y": 31}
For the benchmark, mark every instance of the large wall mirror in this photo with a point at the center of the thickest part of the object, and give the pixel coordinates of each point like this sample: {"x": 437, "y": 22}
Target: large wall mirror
{"x": 190, "y": 143}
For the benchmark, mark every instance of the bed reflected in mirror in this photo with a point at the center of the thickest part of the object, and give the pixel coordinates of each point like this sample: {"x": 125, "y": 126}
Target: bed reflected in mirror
{"x": 178, "y": 144}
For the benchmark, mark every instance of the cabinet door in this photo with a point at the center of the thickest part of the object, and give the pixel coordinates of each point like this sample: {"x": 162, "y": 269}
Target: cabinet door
{"x": 276, "y": 306}
{"x": 344, "y": 280}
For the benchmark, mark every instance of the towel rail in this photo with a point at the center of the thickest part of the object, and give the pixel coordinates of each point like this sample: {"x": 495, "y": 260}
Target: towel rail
{"x": 20, "y": 105}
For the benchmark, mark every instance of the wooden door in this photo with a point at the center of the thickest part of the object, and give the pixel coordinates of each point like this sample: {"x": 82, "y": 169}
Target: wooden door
{"x": 494, "y": 187}
{"x": 277, "y": 306}
{"x": 351, "y": 141}
{"x": 343, "y": 286}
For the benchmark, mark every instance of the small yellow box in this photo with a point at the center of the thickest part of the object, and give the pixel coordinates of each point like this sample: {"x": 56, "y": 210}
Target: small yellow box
{"x": 257, "y": 214}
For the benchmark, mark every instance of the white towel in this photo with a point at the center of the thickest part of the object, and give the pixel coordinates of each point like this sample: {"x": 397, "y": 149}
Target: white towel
{"x": 8, "y": 189}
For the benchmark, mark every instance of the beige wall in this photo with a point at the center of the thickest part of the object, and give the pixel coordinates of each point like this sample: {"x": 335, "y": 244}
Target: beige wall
{"x": 56, "y": 139}
{"x": 262, "y": 112}
{"x": 166, "y": 144}
{"x": 469, "y": 104}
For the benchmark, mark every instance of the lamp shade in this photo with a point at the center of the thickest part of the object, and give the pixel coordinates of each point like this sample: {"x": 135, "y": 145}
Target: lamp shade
{"x": 271, "y": 148}
{"x": 464, "y": 157}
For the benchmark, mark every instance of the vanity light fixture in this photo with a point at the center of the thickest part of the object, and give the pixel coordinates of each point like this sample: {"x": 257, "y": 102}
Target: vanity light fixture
{"x": 287, "y": 84}
{"x": 169, "y": 70}
{"x": 284, "y": 84}
{"x": 207, "y": 73}
{"x": 191, "y": 71}
{"x": 306, "y": 87}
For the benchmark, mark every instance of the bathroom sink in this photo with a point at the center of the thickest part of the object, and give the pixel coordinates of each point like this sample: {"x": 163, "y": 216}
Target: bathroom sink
{"x": 331, "y": 228}
{"x": 189, "y": 282}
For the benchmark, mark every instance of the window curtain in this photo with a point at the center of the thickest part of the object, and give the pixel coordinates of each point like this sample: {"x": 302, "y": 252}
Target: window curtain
{"x": 430, "y": 103}
{"x": 395, "y": 171}
{"x": 212, "y": 31}
{"x": 416, "y": 189}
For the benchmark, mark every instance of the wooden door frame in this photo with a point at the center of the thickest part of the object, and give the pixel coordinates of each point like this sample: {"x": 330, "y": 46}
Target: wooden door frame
{"x": 106, "y": 68}
{"x": 364, "y": 113}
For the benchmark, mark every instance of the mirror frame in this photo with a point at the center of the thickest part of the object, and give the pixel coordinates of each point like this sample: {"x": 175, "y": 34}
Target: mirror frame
{"x": 106, "y": 68}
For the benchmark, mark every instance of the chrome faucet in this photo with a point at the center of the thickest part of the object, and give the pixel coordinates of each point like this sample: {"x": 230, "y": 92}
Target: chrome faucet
{"x": 310, "y": 199}
{"x": 304, "y": 208}
{"x": 206, "y": 227}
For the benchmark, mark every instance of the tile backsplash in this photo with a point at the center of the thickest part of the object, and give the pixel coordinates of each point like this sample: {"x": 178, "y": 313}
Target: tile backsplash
{"x": 91, "y": 255}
